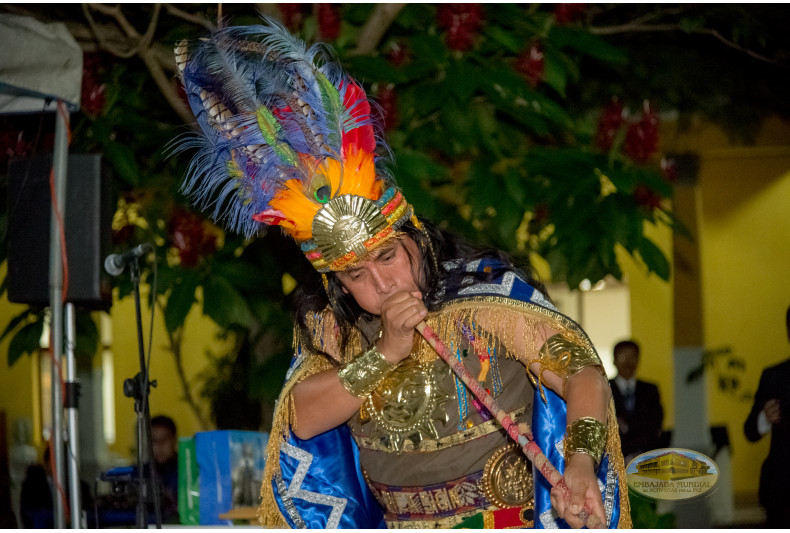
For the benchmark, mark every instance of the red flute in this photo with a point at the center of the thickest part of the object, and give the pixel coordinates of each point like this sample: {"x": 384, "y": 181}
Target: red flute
{"x": 528, "y": 446}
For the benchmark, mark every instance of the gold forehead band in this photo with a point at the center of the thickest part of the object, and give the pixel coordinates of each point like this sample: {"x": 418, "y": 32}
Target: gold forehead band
{"x": 344, "y": 224}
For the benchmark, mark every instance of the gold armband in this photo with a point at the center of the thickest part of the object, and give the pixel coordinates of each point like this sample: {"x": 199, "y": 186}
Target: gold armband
{"x": 363, "y": 373}
{"x": 585, "y": 435}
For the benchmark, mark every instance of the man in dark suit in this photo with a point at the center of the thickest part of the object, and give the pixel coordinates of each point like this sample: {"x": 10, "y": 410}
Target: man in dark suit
{"x": 767, "y": 416}
{"x": 637, "y": 403}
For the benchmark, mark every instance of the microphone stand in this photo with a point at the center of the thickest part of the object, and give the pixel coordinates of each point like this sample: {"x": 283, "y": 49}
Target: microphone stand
{"x": 138, "y": 388}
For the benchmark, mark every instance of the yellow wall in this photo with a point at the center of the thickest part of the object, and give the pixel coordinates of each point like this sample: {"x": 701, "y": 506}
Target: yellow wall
{"x": 167, "y": 397}
{"x": 17, "y": 390}
{"x": 16, "y": 383}
{"x": 744, "y": 244}
{"x": 651, "y": 319}
{"x": 745, "y": 255}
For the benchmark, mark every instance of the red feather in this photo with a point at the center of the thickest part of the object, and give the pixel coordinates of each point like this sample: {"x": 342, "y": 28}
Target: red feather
{"x": 362, "y": 136}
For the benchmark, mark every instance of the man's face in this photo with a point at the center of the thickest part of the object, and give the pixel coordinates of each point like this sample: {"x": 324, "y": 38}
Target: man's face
{"x": 390, "y": 269}
{"x": 626, "y": 361}
{"x": 163, "y": 444}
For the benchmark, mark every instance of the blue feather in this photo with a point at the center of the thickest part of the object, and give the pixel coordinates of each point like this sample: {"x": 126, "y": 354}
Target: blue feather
{"x": 248, "y": 88}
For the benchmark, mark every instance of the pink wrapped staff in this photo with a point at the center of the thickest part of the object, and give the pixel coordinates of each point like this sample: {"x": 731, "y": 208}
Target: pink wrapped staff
{"x": 528, "y": 445}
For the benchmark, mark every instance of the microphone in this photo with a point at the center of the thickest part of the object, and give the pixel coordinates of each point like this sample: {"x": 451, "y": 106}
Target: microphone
{"x": 115, "y": 263}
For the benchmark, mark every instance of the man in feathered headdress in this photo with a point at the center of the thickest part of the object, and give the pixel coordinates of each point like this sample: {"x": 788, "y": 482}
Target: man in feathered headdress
{"x": 371, "y": 427}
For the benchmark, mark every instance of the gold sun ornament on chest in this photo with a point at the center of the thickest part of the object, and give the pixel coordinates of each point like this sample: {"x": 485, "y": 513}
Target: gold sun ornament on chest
{"x": 406, "y": 406}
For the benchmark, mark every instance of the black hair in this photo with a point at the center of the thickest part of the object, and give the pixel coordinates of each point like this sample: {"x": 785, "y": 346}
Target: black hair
{"x": 436, "y": 246}
{"x": 622, "y": 345}
{"x": 164, "y": 422}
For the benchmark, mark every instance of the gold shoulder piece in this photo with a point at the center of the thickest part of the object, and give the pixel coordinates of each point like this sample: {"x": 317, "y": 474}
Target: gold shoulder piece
{"x": 565, "y": 358}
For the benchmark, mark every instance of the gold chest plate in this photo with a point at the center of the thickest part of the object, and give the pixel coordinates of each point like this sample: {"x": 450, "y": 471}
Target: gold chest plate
{"x": 406, "y": 405}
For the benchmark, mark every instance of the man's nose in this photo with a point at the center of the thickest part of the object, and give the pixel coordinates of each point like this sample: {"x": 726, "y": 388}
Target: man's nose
{"x": 383, "y": 282}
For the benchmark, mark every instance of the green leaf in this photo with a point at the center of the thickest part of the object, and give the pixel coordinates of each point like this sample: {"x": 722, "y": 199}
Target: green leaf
{"x": 223, "y": 303}
{"x": 241, "y": 274}
{"x": 463, "y": 79}
{"x": 87, "y": 335}
{"x": 14, "y": 322}
{"x": 485, "y": 189}
{"x": 514, "y": 187}
{"x": 26, "y": 341}
{"x": 554, "y": 74}
{"x": 586, "y": 43}
{"x": 506, "y": 39}
{"x": 267, "y": 379}
{"x": 654, "y": 258}
{"x": 424, "y": 97}
{"x": 508, "y": 218}
{"x": 372, "y": 69}
{"x": 180, "y": 301}
{"x": 461, "y": 126}
{"x": 123, "y": 162}
{"x": 428, "y": 48}
{"x": 416, "y": 168}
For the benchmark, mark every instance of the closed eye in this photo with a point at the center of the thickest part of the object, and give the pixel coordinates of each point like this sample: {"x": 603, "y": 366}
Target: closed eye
{"x": 355, "y": 275}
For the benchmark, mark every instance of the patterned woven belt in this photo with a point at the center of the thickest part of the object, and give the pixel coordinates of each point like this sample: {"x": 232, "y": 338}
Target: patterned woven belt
{"x": 462, "y": 496}
{"x": 502, "y": 494}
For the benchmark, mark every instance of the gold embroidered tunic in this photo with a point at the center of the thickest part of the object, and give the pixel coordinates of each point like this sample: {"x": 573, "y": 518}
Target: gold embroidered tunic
{"x": 417, "y": 429}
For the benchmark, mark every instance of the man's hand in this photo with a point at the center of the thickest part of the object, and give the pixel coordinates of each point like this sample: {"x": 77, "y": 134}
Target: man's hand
{"x": 773, "y": 411}
{"x": 400, "y": 313}
{"x": 583, "y": 492}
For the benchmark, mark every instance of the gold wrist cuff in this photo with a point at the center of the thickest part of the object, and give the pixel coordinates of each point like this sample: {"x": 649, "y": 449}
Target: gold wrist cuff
{"x": 585, "y": 435}
{"x": 363, "y": 373}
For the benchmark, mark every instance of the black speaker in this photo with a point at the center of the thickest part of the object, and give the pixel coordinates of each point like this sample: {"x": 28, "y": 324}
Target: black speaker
{"x": 88, "y": 225}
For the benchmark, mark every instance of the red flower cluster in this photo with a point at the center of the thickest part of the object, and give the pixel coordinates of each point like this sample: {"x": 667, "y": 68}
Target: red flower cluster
{"x": 293, "y": 15}
{"x": 188, "y": 235}
{"x": 566, "y": 13}
{"x": 398, "y": 55}
{"x": 641, "y": 138}
{"x": 462, "y": 23}
{"x": 388, "y": 104}
{"x": 329, "y": 21}
{"x": 530, "y": 64}
{"x": 610, "y": 121}
{"x": 92, "y": 98}
{"x": 646, "y": 197}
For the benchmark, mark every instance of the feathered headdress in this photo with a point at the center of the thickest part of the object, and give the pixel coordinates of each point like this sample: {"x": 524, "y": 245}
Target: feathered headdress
{"x": 287, "y": 141}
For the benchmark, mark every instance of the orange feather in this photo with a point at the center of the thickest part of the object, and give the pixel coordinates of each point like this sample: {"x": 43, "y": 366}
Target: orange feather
{"x": 299, "y": 207}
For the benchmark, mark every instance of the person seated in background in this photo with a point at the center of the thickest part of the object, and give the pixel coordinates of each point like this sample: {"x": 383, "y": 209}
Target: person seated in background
{"x": 36, "y": 505}
{"x": 636, "y": 402}
{"x": 164, "y": 451}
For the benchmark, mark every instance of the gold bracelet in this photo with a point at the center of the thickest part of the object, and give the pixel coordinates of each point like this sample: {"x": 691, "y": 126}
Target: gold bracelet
{"x": 363, "y": 373}
{"x": 585, "y": 435}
